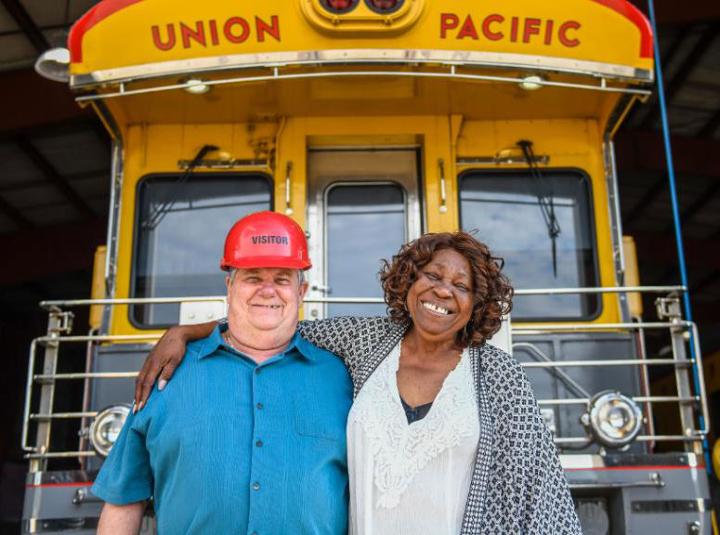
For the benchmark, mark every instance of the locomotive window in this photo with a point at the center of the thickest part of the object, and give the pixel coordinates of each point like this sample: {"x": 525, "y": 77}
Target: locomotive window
{"x": 364, "y": 223}
{"x": 510, "y": 211}
{"x": 180, "y": 233}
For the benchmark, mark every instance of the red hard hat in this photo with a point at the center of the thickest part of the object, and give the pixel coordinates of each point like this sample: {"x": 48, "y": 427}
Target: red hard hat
{"x": 265, "y": 240}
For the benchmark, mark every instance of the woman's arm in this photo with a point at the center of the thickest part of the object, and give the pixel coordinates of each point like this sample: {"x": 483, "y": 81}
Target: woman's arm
{"x": 335, "y": 335}
{"x": 550, "y": 507}
{"x": 165, "y": 357}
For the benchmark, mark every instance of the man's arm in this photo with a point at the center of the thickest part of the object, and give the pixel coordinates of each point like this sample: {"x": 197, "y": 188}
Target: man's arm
{"x": 121, "y": 519}
{"x": 165, "y": 357}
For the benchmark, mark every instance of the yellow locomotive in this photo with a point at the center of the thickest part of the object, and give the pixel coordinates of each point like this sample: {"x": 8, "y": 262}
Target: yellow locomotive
{"x": 371, "y": 122}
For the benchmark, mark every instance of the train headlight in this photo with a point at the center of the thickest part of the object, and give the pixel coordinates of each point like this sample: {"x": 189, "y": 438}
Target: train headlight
{"x": 106, "y": 427}
{"x": 614, "y": 420}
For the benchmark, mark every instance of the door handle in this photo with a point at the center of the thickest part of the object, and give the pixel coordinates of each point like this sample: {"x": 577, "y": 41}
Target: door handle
{"x": 321, "y": 288}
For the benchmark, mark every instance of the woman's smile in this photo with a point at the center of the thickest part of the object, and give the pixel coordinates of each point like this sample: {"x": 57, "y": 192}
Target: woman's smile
{"x": 435, "y": 308}
{"x": 440, "y": 301}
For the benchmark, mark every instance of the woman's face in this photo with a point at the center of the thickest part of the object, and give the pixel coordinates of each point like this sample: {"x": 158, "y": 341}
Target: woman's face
{"x": 440, "y": 301}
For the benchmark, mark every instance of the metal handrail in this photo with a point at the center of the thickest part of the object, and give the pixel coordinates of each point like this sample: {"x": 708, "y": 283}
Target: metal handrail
{"x": 602, "y": 290}
{"x": 48, "y": 304}
{"x": 639, "y": 399}
{"x": 675, "y": 326}
{"x": 610, "y": 362}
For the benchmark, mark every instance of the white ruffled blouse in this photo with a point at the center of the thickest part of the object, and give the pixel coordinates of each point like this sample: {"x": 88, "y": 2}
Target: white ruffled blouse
{"x": 410, "y": 479}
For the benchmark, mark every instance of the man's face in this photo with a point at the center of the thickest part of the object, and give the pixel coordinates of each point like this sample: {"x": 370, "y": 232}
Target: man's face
{"x": 264, "y": 301}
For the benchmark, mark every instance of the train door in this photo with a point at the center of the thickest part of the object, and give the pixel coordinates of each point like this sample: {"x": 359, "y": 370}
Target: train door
{"x": 362, "y": 205}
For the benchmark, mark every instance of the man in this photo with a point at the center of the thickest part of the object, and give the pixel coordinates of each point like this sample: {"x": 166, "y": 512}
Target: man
{"x": 249, "y": 437}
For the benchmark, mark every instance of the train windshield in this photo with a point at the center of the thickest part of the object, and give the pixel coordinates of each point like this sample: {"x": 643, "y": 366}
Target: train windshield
{"x": 181, "y": 230}
{"x": 544, "y": 232}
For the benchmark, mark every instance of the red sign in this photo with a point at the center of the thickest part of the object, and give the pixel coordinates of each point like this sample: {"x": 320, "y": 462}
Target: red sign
{"x": 234, "y": 30}
{"x": 497, "y": 27}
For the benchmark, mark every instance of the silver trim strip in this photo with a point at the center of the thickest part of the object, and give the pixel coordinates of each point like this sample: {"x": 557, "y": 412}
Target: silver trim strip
{"x": 57, "y": 525}
{"x": 452, "y": 74}
{"x": 589, "y": 461}
{"x": 362, "y": 56}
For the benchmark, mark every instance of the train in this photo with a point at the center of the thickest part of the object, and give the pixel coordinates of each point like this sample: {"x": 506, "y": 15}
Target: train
{"x": 371, "y": 122}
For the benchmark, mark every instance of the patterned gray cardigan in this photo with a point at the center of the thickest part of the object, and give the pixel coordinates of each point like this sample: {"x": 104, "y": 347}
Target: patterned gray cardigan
{"x": 517, "y": 486}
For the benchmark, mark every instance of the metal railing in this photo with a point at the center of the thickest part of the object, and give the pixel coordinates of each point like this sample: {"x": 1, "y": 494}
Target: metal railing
{"x": 41, "y": 414}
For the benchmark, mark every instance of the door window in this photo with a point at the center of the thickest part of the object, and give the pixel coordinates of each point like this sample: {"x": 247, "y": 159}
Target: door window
{"x": 363, "y": 204}
{"x": 364, "y": 223}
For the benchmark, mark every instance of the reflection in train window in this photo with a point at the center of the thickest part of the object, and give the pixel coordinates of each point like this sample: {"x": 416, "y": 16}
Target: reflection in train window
{"x": 364, "y": 224}
{"x": 515, "y": 214}
{"x": 180, "y": 236}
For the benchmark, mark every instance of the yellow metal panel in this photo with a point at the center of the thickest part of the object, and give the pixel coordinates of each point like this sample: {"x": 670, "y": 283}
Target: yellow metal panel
{"x": 361, "y": 19}
{"x": 364, "y": 96}
{"x": 632, "y": 275}
{"x": 569, "y": 143}
{"x": 98, "y": 286}
{"x": 121, "y": 33}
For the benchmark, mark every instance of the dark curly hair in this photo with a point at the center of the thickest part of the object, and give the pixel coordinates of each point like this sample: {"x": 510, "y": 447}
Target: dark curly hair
{"x": 492, "y": 293}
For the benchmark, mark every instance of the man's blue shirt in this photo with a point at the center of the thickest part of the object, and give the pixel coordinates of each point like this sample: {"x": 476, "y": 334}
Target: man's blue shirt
{"x": 230, "y": 446}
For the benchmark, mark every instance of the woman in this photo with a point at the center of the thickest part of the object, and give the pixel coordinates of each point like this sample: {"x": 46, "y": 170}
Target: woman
{"x": 444, "y": 435}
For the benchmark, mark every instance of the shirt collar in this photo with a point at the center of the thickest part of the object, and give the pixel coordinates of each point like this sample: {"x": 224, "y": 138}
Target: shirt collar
{"x": 215, "y": 341}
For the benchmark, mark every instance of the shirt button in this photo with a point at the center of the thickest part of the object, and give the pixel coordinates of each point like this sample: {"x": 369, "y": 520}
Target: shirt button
{"x": 259, "y": 443}
{"x": 259, "y": 406}
{"x": 256, "y": 486}
{"x": 257, "y": 371}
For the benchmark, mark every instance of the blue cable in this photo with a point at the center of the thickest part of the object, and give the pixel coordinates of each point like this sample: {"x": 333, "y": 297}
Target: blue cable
{"x": 676, "y": 213}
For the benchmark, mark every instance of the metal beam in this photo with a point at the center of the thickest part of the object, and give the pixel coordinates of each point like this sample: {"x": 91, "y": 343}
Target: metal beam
{"x": 710, "y": 279}
{"x": 50, "y": 250}
{"x": 709, "y": 128}
{"x": 27, "y": 184}
{"x": 674, "y": 12}
{"x": 51, "y": 174}
{"x": 692, "y": 59}
{"x": 26, "y": 24}
{"x": 702, "y": 200}
{"x": 643, "y": 151}
{"x": 667, "y": 58}
{"x": 15, "y": 215}
{"x": 653, "y": 247}
{"x": 31, "y": 100}
{"x": 650, "y": 195}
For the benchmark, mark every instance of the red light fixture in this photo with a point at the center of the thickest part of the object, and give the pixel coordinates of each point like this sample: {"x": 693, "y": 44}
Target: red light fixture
{"x": 384, "y": 6}
{"x": 339, "y": 6}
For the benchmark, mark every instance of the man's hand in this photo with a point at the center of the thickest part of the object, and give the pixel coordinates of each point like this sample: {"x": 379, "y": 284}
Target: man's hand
{"x": 121, "y": 519}
{"x": 165, "y": 357}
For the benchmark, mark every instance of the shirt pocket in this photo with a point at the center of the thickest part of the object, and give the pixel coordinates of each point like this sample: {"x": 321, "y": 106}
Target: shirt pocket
{"x": 318, "y": 417}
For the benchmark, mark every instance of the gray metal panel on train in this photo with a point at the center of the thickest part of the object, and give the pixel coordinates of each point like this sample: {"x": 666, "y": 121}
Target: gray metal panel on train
{"x": 106, "y": 392}
{"x": 679, "y": 504}
{"x": 61, "y": 501}
{"x": 578, "y": 346}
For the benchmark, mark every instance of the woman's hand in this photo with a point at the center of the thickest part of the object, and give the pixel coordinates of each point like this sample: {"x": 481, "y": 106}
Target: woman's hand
{"x": 165, "y": 357}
